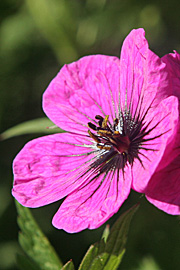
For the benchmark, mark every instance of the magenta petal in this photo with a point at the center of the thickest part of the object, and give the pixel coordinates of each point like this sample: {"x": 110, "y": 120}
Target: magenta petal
{"x": 163, "y": 190}
{"x": 172, "y": 61}
{"x": 143, "y": 73}
{"x": 91, "y": 205}
{"x": 82, "y": 90}
{"x": 98, "y": 85}
{"x": 167, "y": 117}
{"x": 49, "y": 168}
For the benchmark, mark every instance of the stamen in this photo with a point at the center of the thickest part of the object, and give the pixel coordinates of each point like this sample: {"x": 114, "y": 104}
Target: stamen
{"x": 94, "y": 137}
{"x": 99, "y": 117}
{"x": 92, "y": 126}
{"x": 103, "y": 147}
{"x": 103, "y": 132}
{"x": 104, "y": 123}
{"x": 116, "y": 121}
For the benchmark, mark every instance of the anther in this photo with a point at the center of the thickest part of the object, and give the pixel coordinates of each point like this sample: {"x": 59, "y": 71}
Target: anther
{"x": 104, "y": 132}
{"x": 92, "y": 126}
{"x": 99, "y": 117}
{"x": 116, "y": 122}
{"x": 94, "y": 137}
{"x": 104, "y": 147}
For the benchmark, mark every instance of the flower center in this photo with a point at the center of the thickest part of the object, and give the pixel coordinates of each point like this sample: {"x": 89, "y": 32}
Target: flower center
{"x": 108, "y": 136}
{"x": 119, "y": 142}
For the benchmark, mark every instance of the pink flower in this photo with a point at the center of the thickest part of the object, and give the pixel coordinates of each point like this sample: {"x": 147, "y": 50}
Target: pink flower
{"x": 122, "y": 123}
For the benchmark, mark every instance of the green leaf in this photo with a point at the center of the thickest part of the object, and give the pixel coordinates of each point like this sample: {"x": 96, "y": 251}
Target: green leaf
{"x": 68, "y": 266}
{"x": 108, "y": 255}
{"x": 34, "y": 242}
{"x": 40, "y": 125}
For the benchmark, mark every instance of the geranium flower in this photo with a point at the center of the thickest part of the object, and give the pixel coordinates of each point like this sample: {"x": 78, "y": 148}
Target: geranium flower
{"x": 121, "y": 119}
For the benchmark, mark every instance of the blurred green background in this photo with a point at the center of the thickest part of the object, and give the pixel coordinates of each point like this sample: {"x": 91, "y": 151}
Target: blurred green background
{"x": 36, "y": 38}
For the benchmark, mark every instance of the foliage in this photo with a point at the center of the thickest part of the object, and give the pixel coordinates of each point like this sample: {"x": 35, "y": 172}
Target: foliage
{"x": 107, "y": 254}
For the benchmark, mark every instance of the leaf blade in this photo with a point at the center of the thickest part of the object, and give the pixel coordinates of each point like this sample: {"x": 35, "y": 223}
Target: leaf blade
{"x": 117, "y": 239}
{"x": 68, "y": 266}
{"x": 39, "y": 125}
{"x": 108, "y": 254}
{"x": 34, "y": 242}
